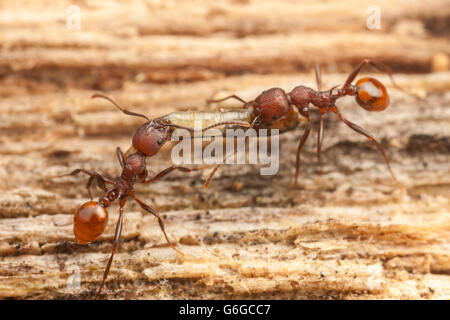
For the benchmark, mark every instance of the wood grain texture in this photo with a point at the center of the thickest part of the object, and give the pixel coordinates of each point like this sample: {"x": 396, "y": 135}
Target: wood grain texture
{"x": 349, "y": 235}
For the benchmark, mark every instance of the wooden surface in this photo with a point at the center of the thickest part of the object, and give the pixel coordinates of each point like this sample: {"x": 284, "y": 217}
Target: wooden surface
{"x": 350, "y": 235}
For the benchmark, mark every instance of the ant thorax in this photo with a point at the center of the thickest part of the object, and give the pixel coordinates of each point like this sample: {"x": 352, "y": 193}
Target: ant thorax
{"x": 134, "y": 166}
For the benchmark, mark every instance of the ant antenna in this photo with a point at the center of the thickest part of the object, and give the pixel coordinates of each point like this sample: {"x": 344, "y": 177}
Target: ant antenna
{"x": 130, "y": 113}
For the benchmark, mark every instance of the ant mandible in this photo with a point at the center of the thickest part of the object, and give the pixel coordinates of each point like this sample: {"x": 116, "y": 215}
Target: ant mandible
{"x": 91, "y": 218}
{"x": 274, "y": 104}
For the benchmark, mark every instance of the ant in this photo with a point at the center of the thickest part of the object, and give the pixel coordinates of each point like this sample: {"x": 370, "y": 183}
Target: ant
{"x": 275, "y": 104}
{"x": 91, "y": 218}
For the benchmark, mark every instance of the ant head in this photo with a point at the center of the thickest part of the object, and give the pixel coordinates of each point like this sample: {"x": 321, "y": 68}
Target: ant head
{"x": 150, "y": 137}
{"x": 273, "y": 104}
{"x": 89, "y": 222}
{"x": 300, "y": 96}
{"x": 371, "y": 94}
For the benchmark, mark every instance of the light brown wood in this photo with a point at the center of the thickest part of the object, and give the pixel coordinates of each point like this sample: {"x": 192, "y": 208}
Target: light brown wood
{"x": 350, "y": 235}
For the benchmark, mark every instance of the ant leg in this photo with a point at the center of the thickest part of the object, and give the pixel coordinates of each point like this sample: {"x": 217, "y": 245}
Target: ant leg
{"x": 359, "y": 67}
{"x": 101, "y": 182}
{"x": 225, "y": 123}
{"x": 92, "y": 176}
{"x": 161, "y": 223}
{"x": 89, "y": 185}
{"x": 320, "y": 130}
{"x": 318, "y": 77}
{"x": 125, "y": 111}
{"x": 244, "y": 124}
{"x": 238, "y": 123}
{"x": 211, "y": 175}
{"x": 299, "y": 150}
{"x": 319, "y": 142}
{"x": 366, "y": 134}
{"x": 89, "y": 173}
{"x": 172, "y": 168}
{"x": 120, "y": 156}
{"x": 226, "y": 98}
{"x": 115, "y": 244}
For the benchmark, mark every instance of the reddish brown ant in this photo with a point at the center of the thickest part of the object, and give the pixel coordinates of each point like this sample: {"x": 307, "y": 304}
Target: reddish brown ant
{"x": 274, "y": 104}
{"x": 91, "y": 218}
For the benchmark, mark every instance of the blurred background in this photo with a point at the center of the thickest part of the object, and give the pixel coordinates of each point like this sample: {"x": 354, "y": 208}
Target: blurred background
{"x": 157, "y": 57}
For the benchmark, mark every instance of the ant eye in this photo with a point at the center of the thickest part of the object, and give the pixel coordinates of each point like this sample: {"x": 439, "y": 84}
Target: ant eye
{"x": 274, "y": 117}
{"x": 372, "y": 94}
{"x": 89, "y": 222}
{"x": 160, "y": 141}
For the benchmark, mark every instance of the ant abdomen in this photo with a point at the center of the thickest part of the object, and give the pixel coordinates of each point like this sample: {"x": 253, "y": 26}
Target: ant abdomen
{"x": 371, "y": 94}
{"x": 89, "y": 222}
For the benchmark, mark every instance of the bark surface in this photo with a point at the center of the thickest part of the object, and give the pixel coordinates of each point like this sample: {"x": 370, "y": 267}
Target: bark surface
{"x": 349, "y": 235}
